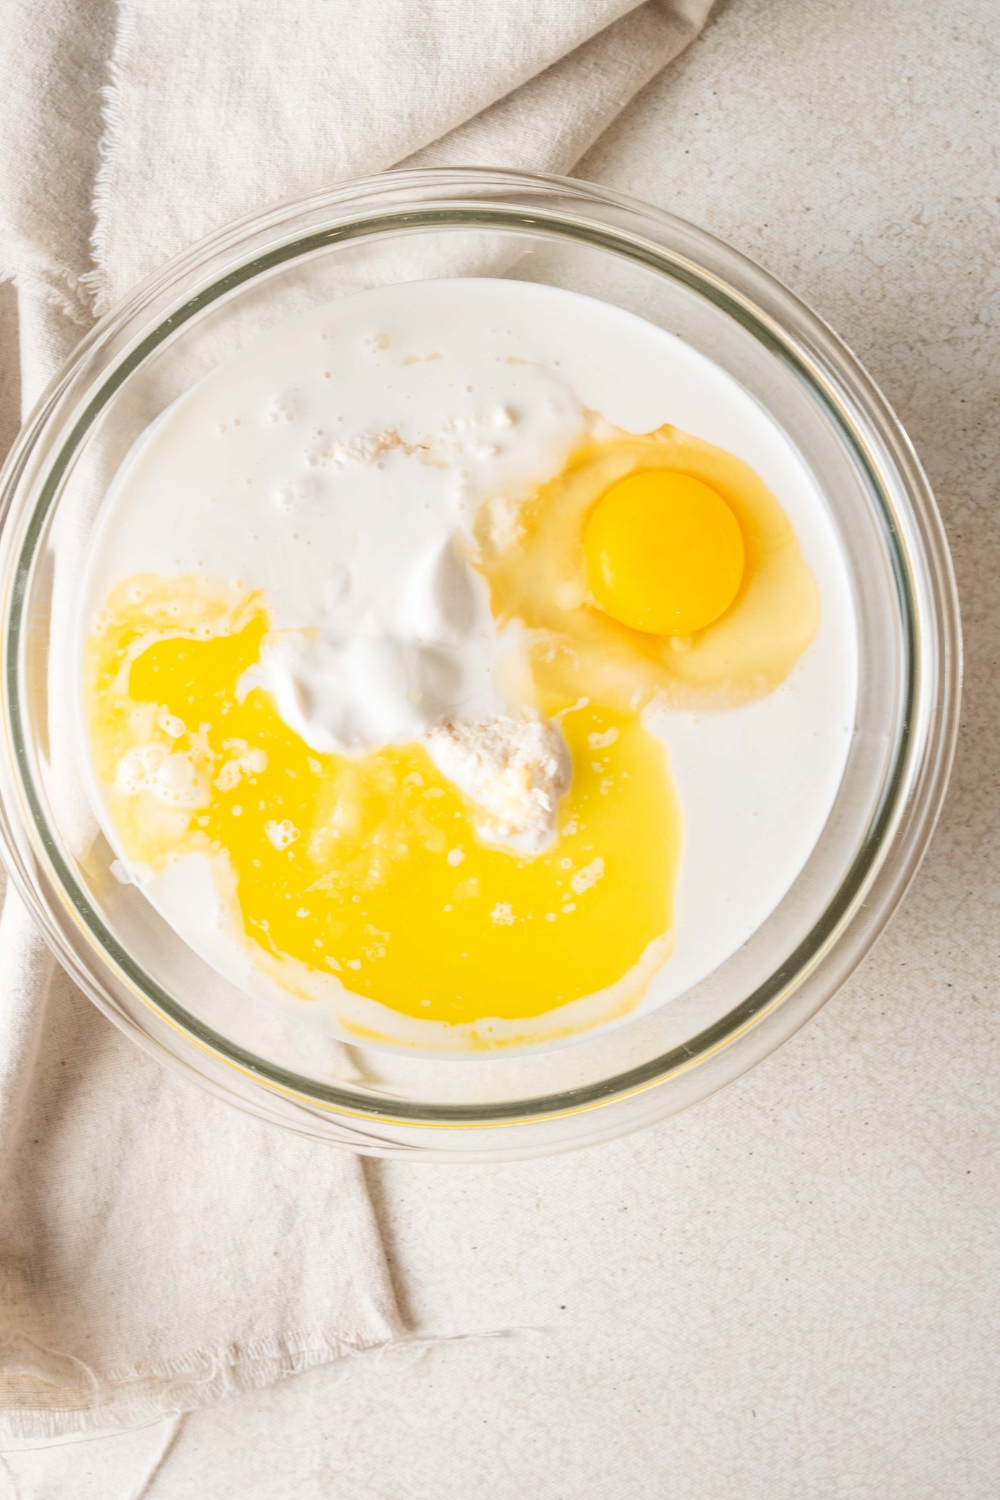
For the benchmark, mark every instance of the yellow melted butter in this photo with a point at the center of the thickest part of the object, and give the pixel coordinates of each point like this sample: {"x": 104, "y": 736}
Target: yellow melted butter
{"x": 382, "y": 880}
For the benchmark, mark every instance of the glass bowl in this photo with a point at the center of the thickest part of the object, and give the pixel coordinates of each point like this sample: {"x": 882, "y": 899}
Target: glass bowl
{"x": 404, "y": 226}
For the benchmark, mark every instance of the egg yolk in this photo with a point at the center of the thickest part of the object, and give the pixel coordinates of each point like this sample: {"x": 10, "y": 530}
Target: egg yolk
{"x": 592, "y": 562}
{"x": 664, "y": 553}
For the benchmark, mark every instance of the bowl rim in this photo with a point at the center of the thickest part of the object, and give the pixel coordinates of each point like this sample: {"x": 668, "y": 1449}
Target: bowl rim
{"x": 418, "y": 200}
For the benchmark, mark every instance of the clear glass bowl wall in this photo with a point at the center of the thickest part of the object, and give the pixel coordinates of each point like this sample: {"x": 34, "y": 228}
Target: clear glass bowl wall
{"x": 202, "y": 309}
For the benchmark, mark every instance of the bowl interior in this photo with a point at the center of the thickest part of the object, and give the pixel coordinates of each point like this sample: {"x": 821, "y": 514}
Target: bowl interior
{"x": 206, "y": 309}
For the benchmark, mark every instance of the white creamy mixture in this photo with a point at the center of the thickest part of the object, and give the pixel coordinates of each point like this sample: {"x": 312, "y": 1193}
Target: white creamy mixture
{"x": 285, "y": 469}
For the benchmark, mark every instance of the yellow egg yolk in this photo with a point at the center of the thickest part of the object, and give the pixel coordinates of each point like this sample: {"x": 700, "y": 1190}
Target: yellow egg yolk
{"x": 664, "y": 553}
{"x": 370, "y": 869}
{"x": 544, "y": 565}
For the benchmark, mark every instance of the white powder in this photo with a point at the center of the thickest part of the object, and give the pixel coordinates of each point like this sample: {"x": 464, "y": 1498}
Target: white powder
{"x": 514, "y": 768}
{"x": 362, "y": 448}
{"x": 472, "y": 436}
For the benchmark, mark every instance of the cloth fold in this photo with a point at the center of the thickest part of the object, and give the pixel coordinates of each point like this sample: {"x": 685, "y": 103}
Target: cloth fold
{"x": 158, "y": 1249}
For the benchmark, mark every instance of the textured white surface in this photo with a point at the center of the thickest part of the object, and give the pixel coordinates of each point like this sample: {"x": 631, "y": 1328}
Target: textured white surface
{"x": 792, "y": 1291}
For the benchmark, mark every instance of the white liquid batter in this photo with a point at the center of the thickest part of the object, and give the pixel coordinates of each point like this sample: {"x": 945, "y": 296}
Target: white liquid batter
{"x": 284, "y": 469}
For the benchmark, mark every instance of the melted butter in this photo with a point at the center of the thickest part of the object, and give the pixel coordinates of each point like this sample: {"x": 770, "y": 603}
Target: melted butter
{"x": 370, "y": 869}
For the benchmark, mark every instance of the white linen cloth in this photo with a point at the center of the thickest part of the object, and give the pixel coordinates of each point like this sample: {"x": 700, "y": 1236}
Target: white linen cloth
{"x": 157, "y": 1249}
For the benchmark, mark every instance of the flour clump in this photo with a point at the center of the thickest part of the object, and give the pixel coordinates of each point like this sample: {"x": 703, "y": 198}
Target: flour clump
{"x": 514, "y": 767}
